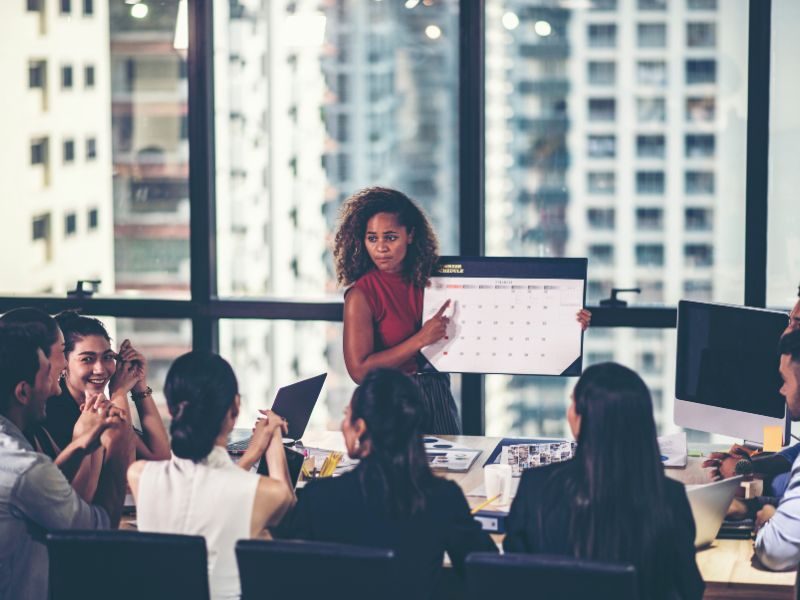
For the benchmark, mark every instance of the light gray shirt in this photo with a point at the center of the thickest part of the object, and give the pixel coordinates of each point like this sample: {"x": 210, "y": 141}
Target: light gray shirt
{"x": 778, "y": 542}
{"x": 35, "y": 498}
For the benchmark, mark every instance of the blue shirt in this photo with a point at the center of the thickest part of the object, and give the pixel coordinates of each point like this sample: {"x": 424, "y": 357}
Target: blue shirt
{"x": 35, "y": 498}
{"x": 778, "y": 542}
{"x": 781, "y": 482}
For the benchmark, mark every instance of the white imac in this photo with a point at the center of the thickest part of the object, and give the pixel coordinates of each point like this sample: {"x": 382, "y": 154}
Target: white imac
{"x": 726, "y": 376}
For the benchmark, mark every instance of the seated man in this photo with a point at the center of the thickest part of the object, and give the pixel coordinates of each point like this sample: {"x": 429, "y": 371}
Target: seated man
{"x": 35, "y": 497}
{"x": 778, "y": 541}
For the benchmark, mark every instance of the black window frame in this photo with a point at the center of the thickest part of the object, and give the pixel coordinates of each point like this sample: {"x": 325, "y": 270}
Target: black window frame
{"x": 205, "y": 308}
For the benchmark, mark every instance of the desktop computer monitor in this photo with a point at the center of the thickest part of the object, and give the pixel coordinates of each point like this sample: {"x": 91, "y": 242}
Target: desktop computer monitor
{"x": 726, "y": 377}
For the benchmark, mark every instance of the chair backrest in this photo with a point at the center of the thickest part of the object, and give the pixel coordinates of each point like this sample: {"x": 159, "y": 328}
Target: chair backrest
{"x": 312, "y": 570}
{"x": 95, "y": 565}
{"x": 546, "y": 576}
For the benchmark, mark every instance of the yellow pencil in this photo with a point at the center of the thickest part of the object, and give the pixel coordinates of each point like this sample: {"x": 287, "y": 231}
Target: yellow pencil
{"x": 484, "y": 504}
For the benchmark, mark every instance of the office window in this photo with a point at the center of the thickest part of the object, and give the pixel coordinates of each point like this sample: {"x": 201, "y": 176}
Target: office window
{"x": 602, "y": 72}
{"x": 599, "y": 5}
{"x": 601, "y": 254}
{"x": 37, "y": 72}
{"x": 701, "y": 290}
{"x": 602, "y": 109}
{"x": 649, "y": 363}
{"x": 652, "y": 291}
{"x": 701, "y": 35}
{"x": 88, "y": 7}
{"x": 602, "y": 146}
{"x": 649, "y": 255}
{"x": 92, "y": 219}
{"x": 66, "y": 6}
{"x": 602, "y": 183}
{"x": 33, "y": 5}
{"x": 650, "y": 219}
{"x": 41, "y": 227}
{"x": 88, "y": 76}
{"x": 70, "y": 224}
{"x": 69, "y": 151}
{"x": 697, "y": 219}
{"x": 66, "y": 77}
{"x": 651, "y": 4}
{"x": 700, "y": 145}
{"x": 650, "y": 182}
{"x": 651, "y": 72}
{"x": 602, "y": 35}
{"x": 600, "y": 218}
{"x": 700, "y": 109}
{"x": 702, "y": 4}
{"x": 39, "y": 151}
{"x": 698, "y": 255}
{"x": 650, "y": 146}
{"x": 651, "y": 35}
{"x": 91, "y": 148}
{"x": 651, "y": 110}
{"x": 701, "y": 71}
{"x": 699, "y": 182}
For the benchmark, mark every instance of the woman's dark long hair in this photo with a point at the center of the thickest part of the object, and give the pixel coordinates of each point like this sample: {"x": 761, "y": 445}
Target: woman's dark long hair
{"x": 391, "y": 406}
{"x": 618, "y": 511}
{"x": 75, "y": 327}
{"x": 200, "y": 388}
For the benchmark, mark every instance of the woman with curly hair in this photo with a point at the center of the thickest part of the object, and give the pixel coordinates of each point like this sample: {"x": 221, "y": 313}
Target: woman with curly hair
{"x": 385, "y": 250}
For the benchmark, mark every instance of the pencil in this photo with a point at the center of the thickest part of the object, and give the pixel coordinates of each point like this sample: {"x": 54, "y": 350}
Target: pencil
{"x": 484, "y": 504}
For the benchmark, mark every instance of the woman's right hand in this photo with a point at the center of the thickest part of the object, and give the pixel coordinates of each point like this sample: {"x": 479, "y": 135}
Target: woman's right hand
{"x": 125, "y": 377}
{"x": 272, "y": 425}
{"x": 434, "y": 328}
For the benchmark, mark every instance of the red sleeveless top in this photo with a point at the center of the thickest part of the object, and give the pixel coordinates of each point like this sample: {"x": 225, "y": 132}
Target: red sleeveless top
{"x": 396, "y": 306}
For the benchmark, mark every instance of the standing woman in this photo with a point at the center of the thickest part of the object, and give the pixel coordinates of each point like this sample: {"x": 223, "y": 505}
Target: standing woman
{"x": 385, "y": 250}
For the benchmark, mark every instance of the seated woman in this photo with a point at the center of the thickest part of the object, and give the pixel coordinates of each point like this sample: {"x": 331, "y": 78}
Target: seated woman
{"x": 91, "y": 365}
{"x": 391, "y": 499}
{"x": 199, "y": 491}
{"x": 612, "y": 501}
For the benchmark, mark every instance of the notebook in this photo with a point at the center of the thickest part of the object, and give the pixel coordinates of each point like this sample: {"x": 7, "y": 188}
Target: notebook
{"x": 294, "y": 403}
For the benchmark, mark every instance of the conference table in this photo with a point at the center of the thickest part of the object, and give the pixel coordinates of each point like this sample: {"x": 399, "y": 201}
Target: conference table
{"x": 728, "y": 567}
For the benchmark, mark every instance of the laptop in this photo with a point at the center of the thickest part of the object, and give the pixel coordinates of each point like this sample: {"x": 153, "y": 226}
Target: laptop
{"x": 709, "y": 504}
{"x": 294, "y": 403}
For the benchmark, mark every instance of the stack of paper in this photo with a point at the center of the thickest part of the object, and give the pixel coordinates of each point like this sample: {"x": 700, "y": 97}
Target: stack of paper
{"x": 674, "y": 452}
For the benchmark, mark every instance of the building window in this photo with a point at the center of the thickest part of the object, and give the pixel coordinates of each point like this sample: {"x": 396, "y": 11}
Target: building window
{"x": 602, "y": 109}
{"x": 602, "y": 146}
{"x": 652, "y": 4}
{"x": 34, "y": 5}
{"x": 91, "y": 148}
{"x": 650, "y": 255}
{"x": 88, "y": 76}
{"x": 701, "y": 35}
{"x": 702, "y": 4}
{"x": 700, "y": 145}
{"x": 602, "y": 183}
{"x": 651, "y": 72}
{"x": 66, "y": 6}
{"x": 88, "y": 8}
{"x": 66, "y": 77}
{"x": 92, "y": 218}
{"x": 342, "y": 88}
{"x": 697, "y": 219}
{"x": 602, "y": 35}
{"x": 650, "y": 219}
{"x": 701, "y": 109}
{"x": 651, "y": 110}
{"x": 602, "y": 73}
{"x": 701, "y": 71}
{"x": 698, "y": 289}
{"x": 597, "y": 290}
{"x": 343, "y": 166}
{"x": 699, "y": 182}
{"x": 39, "y": 151}
{"x": 698, "y": 255}
{"x": 70, "y": 224}
{"x": 601, "y": 218}
{"x": 342, "y": 127}
{"x": 69, "y": 151}
{"x": 651, "y": 35}
{"x": 650, "y": 146}
{"x": 652, "y": 291}
{"x": 604, "y": 5}
{"x": 601, "y": 254}
{"x": 650, "y": 182}
{"x": 41, "y": 227}
{"x": 649, "y": 362}
{"x": 37, "y": 72}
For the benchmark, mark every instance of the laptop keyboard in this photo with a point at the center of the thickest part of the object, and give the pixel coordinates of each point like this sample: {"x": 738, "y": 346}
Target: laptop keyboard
{"x": 239, "y": 446}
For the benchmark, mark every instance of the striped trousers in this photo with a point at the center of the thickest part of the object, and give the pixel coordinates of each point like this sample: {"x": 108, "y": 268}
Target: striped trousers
{"x": 442, "y": 417}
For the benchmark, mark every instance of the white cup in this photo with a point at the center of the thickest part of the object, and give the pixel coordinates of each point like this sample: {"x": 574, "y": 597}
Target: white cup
{"x": 497, "y": 480}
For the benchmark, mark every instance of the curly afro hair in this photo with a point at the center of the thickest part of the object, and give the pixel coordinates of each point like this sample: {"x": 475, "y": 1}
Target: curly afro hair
{"x": 350, "y": 255}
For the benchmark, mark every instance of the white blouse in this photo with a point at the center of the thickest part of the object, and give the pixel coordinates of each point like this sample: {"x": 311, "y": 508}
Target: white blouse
{"x": 213, "y": 498}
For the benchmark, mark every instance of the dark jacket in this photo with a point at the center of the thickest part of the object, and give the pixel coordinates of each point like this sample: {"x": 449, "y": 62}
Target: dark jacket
{"x": 336, "y": 510}
{"x": 675, "y": 569}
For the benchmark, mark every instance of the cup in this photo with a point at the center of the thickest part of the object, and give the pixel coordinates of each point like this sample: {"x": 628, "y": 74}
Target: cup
{"x": 497, "y": 480}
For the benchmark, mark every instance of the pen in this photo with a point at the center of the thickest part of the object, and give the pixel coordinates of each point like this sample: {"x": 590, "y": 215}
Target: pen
{"x": 484, "y": 504}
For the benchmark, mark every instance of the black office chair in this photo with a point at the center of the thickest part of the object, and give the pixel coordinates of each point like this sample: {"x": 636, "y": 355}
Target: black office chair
{"x": 312, "y": 570}
{"x": 544, "y": 576}
{"x": 126, "y": 565}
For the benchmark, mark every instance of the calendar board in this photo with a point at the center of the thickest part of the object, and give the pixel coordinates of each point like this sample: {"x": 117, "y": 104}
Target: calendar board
{"x": 513, "y": 316}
